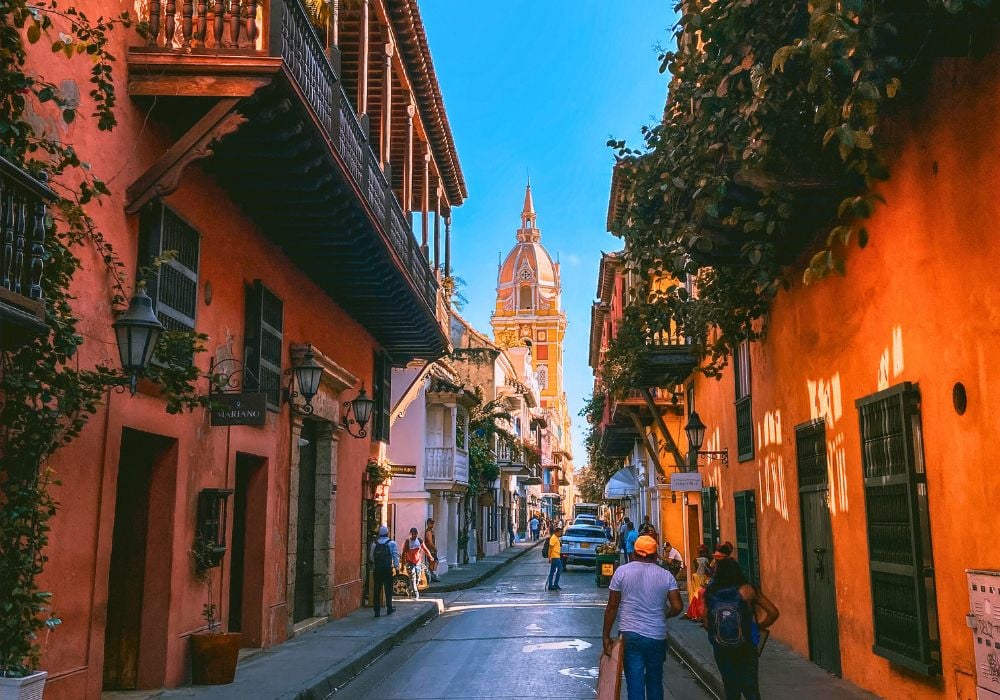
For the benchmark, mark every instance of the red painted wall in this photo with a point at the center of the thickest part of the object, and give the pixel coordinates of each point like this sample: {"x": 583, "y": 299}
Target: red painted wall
{"x": 233, "y": 253}
{"x": 919, "y": 304}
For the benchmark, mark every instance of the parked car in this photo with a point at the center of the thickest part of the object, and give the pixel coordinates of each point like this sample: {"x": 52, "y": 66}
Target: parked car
{"x": 579, "y": 543}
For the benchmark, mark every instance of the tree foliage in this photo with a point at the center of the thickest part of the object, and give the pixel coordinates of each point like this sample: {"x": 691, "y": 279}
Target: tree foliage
{"x": 767, "y": 160}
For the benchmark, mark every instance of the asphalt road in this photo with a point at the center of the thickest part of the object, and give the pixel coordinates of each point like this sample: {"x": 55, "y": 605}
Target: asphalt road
{"x": 507, "y": 638}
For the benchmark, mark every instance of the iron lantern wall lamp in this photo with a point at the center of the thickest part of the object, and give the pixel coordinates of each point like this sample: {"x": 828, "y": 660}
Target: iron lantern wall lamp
{"x": 305, "y": 374}
{"x": 362, "y": 408}
{"x": 136, "y": 333}
{"x": 695, "y": 430}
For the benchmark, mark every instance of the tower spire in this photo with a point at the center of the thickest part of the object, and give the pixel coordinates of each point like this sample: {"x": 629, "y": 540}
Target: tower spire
{"x": 529, "y": 225}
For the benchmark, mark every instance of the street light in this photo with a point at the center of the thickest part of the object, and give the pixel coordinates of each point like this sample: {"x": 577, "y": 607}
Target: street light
{"x": 306, "y": 374}
{"x": 136, "y": 333}
{"x": 695, "y": 430}
{"x": 362, "y": 408}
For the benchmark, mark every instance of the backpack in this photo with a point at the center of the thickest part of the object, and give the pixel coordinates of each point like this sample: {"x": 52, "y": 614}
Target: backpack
{"x": 382, "y": 558}
{"x": 545, "y": 548}
{"x": 728, "y": 618}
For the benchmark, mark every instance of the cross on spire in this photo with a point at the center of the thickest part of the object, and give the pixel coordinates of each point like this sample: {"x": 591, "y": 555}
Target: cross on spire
{"x": 529, "y": 225}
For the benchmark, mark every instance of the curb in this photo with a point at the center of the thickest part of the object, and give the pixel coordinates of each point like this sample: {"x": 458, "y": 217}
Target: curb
{"x": 471, "y": 583}
{"x": 323, "y": 687}
{"x": 702, "y": 668}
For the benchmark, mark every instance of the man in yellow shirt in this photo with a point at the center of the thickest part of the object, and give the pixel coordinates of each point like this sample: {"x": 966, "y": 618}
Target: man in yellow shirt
{"x": 555, "y": 559}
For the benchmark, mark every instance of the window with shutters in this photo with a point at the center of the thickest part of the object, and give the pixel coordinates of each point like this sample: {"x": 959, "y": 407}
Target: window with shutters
{"x": 747, "y": 553}
{"x": 262, "y": 344}
{"x": 744, "y": 416}
{"x": 710, "y": 532}
{"x": 904, "y": 602}
{"x": 382, "y": 394}
{"x": 173, "y": 284}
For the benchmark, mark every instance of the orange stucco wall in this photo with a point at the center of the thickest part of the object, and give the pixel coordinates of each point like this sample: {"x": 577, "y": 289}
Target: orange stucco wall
{"x": 919, "y": 303}
{"x": 233, "y": 253}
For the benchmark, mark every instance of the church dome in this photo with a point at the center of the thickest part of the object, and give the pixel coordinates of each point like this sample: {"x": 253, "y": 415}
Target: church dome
{"x": 528, "y": 279}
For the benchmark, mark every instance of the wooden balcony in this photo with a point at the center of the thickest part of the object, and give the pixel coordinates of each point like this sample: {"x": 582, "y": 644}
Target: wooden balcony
{"x": 618, "y": 440}
{"x": 668, "y": 358}
{"x": 446, "y": 469}
{"x": 266, "y": 111}
{"x": 23, "y": 202}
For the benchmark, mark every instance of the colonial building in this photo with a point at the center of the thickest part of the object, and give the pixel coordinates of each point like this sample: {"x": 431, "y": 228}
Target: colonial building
{"x": 529, "y": 313}
{"x": 302, "y": 169}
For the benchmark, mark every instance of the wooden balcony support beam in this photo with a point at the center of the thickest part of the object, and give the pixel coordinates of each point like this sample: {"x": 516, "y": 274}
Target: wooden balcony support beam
{"x": 644, "y": 439}
{"x": 668, "y": 439}
{"x": 163, "y": 177}
{"x": 386, "y": 146}
{"x": 363, "y": 60}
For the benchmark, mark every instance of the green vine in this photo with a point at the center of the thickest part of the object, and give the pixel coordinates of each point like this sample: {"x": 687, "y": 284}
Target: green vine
{"x": 378, "y": 473}
{"x": 767, "y": 160}
{"x": 47, "y": 398}
{"x": 591, "y": 478}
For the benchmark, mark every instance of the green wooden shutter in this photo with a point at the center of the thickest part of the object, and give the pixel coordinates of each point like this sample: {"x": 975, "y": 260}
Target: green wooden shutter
{"x": 263, "y": 342}
{"x": 710, "y": 517}
{"x": 382, "y": 394}
{"x": 744, "y": 404}
{"x": 899, "y": 550}
{"x": 746, "y": 535}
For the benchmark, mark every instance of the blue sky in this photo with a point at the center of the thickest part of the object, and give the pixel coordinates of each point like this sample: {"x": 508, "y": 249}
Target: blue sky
{"x": 541, "y": 85}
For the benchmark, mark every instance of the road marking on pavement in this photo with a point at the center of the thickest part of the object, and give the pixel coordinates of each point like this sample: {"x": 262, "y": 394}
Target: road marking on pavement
{"x": 577, "y": 644}
{"x": 534, "y": 628}
{"x": 581, "y": 672}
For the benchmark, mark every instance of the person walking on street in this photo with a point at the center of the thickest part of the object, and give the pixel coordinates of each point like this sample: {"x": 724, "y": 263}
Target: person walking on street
{"x": 554, "y": 556}
{"x": 533, "y": 524}
{"x": 432, "y": 561}
{"x": 623, "y": 533}
{"x": 647, "y": 596}
{"x": 415, "y": 552}
{"x": 383, "y": 557}
{"x": 510, "y": 533}
{"x": 630, "y": 537}
{"x": 731, "y": 606}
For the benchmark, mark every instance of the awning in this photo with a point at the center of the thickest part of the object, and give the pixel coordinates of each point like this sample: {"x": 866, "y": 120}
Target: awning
{"x": 621, "y": 485}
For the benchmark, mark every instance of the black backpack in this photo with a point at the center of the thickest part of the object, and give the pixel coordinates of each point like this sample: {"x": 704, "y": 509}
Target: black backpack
{"x": 382, "y": 557}
{"x": 545, "y": 548}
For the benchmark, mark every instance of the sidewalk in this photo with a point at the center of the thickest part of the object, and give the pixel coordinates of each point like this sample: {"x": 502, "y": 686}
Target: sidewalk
{"x": 783, "y": 673}
{"x": 313, "y": 665}
{"x": 470, "y": 575}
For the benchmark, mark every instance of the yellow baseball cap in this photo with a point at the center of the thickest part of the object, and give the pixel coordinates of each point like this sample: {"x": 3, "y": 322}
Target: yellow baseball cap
{"x": 645, "y": 546}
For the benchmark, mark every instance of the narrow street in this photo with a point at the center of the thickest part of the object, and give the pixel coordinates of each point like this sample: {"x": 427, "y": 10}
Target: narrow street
{"x": 507, "y": 638}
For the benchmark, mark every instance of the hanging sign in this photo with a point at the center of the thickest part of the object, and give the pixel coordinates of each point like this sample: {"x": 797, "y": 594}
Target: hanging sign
{"x": 405, "y": 470}
{"x": 685, "y": 481}
{"x": 239, "y": 409}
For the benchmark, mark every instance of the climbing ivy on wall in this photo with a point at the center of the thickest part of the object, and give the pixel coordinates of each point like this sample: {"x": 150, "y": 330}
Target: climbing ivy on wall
{"x": 768, "y": 158}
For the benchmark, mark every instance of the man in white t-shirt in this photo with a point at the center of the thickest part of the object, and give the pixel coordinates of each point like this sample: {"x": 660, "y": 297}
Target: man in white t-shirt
{"x": 647, "y": 596}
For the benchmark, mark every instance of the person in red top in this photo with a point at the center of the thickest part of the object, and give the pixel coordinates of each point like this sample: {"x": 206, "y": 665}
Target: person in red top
{"x": 415, "y": 552}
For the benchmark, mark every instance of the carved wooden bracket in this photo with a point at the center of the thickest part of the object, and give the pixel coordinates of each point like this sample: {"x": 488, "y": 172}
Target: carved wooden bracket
{"x": 164, "y": 176}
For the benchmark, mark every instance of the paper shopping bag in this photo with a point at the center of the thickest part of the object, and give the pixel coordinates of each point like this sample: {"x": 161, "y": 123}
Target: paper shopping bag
{"x": 609, "y": 678}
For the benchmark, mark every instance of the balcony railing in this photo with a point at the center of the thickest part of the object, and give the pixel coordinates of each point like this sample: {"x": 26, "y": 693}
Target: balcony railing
{"x": 23, "y": 203}
{"x": 446, "y": 464}
{"x": 282, "y": 28}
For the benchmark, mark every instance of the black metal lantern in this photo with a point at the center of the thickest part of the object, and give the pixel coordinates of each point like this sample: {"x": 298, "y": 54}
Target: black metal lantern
{"x": 695, "y": 430}
{"x": 136, "y": 332}
{"x": 306, "y": 374}
{"x": 362, "y": 408}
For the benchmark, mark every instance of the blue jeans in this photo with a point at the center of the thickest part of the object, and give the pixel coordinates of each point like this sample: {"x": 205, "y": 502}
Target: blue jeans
{"x": 643, "y": 661}
{"x": 738, "y": 668}
{"x": 555, "y": 567}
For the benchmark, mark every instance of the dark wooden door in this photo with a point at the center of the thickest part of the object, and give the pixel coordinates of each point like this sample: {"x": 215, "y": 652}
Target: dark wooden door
{"x": 237, "y": 553}
{"x": 710, "y": 531}
{"x": 305, "y": 552}
{"x": 817, "y": 546}
{"x": 126, "y": 575}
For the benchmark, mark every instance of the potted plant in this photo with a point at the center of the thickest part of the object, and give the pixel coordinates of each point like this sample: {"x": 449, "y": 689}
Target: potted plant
{"x": 214, "y": 654}
{"x": 23, "y": 684}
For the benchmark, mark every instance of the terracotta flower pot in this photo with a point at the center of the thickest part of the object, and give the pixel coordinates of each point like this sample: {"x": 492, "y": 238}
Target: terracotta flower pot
{"x": 27, "y": 688}
{"x": 214, "y": 657}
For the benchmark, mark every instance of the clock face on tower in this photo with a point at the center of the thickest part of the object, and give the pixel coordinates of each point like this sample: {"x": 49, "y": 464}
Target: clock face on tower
{"x": 525, "y": 274}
